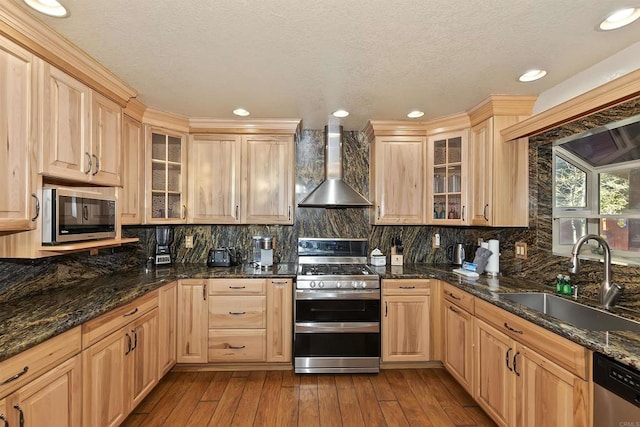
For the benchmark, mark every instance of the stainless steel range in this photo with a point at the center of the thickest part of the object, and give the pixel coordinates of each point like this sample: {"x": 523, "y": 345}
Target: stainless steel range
{"x": 337, "y": 308}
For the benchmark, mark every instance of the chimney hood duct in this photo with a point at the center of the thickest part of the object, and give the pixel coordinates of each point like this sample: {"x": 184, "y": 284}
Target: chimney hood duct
{"x": 333, "y": 192}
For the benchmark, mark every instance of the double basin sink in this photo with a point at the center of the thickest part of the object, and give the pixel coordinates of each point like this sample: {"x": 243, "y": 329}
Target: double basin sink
{"x": 579, "y": 315}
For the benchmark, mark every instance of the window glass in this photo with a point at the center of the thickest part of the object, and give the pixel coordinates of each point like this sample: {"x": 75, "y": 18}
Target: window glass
{"x": 570, "y": 185}
{"x": 570, "y": 229}
{"x": 614, "y": 192}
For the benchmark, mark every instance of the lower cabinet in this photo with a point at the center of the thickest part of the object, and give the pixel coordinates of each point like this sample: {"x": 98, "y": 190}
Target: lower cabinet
{"x": 405, "y": 320}
{"x": 53, "y": 399}
{"x": 234, "y": 320}
{"x": 121, "y": 368}
{"x": 167, "y": 324}
{"x": 458, "y": 336}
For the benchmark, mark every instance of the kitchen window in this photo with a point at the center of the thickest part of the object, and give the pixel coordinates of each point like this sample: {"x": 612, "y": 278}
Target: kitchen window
{"x": 596, "y": 189}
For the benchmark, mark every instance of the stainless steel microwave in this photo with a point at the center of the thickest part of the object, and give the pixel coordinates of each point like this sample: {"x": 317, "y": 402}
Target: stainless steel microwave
{"x": 72, "y": 215}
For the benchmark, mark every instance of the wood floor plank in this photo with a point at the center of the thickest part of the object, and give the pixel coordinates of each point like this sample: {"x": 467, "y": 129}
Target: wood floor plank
{"x": 328, "y": 398}
{"x": 309, "y": 405}
{"x": 371, "y": 412}
{"x": 202, "y": 414}
{"x": 228, "y": 403}
{"x": 408, "y": 401}
{"x": 267, "y": 411}
{"x": 426, "y": 400}
{"x": 382, "y": 388}
{"x": 134, "y": 420}
{"x": 290, "y": 379}
{"x": 288, "y": 407}
{"x": 445, "y": 394}
{"x": 168, "y": 401}
{"x": 248, "y": 405}
{"x": 455, "y": 389}
{"x": 349, "y": 405}
{"x": 393, "y": 414}
{"x": 149, "y": 402}
{"x": 481, "y": 418}
{"x": 189, "y": 400}
{"x": 217, "y": 386}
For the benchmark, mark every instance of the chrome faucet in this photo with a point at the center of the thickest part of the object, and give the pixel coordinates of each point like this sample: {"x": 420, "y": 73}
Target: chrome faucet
{"x": 609, "y": 291}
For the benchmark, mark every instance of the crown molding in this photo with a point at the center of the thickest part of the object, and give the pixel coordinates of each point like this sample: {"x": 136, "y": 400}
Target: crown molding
{"x": 27, "y": 31}
{"x": 135, "y": 109}
{"x": 166, "y": 120}
{"x": 502, "y": 105}
{"x": 201, "y": 125}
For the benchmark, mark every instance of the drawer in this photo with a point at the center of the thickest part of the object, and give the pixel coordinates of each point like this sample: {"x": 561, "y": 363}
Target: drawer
{"x": 237, "y": 287}
{"x": 98, "y": 328}
{"x": 406, "y": 287}
{"x": 30, "y": 364}
{"x": 239, "y": 312}
{"x": 248, "y": 345}
{"x": 567, "y": 354}
{"x": 460, "y": 298}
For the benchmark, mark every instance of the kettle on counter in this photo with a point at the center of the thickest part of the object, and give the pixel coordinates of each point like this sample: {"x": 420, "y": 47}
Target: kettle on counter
{"x": 455, "y": 253}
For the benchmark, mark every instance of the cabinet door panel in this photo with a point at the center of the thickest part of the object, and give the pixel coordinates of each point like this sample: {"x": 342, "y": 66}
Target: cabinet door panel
{"x": 237, "y": 312}
{"x": 279, "y": 320}
{"x": 458, "y": 342}
{"x": 143, "y": 368}
{"x": 214, "y": 179}
{"x": 53, "y": 399}
{"x": 192, "y": 321}
{"x": 16, "y": 115}
{"x": 481, "y": 154}
{"x": 267, "y": 180}
{"x": 168, "y": 323}
{"x": 132, "y": 195}
{"x": 405, "y": 329}
{"x": 107, "y": 141}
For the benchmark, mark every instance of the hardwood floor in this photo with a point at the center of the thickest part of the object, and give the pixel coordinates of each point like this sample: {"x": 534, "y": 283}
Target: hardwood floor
{"x": 408, "y": 397}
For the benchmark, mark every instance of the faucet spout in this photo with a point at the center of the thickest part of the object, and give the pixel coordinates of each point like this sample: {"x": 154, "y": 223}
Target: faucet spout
{"x": 608, "y": 291}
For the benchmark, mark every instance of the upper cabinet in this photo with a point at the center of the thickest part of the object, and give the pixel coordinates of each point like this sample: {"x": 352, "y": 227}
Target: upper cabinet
{"x": 19, "y": 204}
{"x": 447, "y": 167}
{"x": 397, "y": 179}
{"x": 499, "y": 170}
{"x": 81, "y": 135}
{"x": 165, "y": 176}
{"x": 132, "y": 195}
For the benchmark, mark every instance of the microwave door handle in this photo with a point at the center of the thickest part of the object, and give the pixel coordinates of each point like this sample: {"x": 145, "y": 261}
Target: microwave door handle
{"x": 85, "y": 212}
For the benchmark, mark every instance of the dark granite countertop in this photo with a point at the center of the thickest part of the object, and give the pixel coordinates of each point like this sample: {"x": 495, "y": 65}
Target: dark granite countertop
{"x": 27, "y": 322}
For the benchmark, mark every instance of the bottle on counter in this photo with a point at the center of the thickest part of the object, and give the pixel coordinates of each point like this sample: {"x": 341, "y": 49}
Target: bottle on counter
{"x": 567, "y": 290}
{"x": 559, "y": 284}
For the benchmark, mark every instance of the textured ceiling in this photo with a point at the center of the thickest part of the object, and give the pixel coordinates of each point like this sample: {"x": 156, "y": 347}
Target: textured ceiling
{"x": 378, "y": 59}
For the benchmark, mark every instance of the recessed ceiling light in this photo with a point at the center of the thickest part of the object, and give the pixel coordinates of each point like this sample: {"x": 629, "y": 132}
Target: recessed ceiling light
{"x": 532, "y": 75}
{"x": 48, "y": 7}
{"x": 415, "y": 114}
{"x": 340, "y": 113}
{"x": 620, "y": 18}
{"x": 241, "y": 112}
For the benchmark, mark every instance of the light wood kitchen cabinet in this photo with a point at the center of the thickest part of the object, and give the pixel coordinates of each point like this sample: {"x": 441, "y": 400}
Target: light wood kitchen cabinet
{"x": 458, "y": 335}
{"x": 82, "y": 134}
{"x": 53, "y": 399}
{"x": 165, "y": 172}
{"x": 279, "y": 320}
{"x": 397, "y": 180}
{"x": 447, "y": 165}
{"x": 499, "y": 170}
{"x": 132, "y": 195}
{"x": 4, "y": 414}
{"x": 119, "y": 366}
{"x": 268, "y": 164}
{"x": 405, "y": 320}
{"x": 192, "y": 333}
{"x": 19, "y": 205}
{"x": 526, "y": 375}
{"x": 214, "y": 179}
{"x": 167, "y": 327}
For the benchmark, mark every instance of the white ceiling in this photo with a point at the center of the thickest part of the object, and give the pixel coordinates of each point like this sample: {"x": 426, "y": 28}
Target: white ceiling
{"x": 378, "y": 59}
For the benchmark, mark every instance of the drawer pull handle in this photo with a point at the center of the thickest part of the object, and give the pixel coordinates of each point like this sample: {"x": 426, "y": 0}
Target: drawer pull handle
{"x": 275, "y": 283}
{"x": 16, "y": 376}
{"x": 515, "y": 363}
{"x": 237, "y": 287}
{"x": 240, "y": 347}
{"x": 506, "y": 325}
{"x": 19, "y": 409}
{"x": 453, "y": 309}
{"x": 407, "y": 287}
{"x": 484, "y": 213}
{"x": 131, "y": 313}
{"x": 506, "y": 359}
{"x": 97, "y": 164}
{"x": 135, "y": 339}
{"x": 453, "y": 296}
{"x": 37, "y": 207}
{"x": 89, "y": 163}
{"x": 128, "y": 345}
{"x": 237, "y": 313}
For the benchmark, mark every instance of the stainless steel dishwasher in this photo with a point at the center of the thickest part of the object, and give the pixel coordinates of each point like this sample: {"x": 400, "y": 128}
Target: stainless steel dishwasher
{"x": 616, "y": 393}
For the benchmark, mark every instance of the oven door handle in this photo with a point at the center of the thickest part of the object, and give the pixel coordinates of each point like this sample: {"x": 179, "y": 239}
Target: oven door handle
{"x": 337, "y": 294}
{"x": 337, "y": 327}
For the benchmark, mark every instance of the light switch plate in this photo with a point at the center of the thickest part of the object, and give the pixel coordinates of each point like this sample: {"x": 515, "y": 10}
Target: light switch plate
{"x": 435, "y": 241}
{"x": 188, "y": 242}
{"x": 521, "y": 250}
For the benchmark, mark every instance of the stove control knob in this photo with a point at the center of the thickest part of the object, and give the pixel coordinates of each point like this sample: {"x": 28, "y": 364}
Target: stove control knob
{"x": 321, "y": 284}
{"x": 364, "y": 285}
{"x": 312, "y": 284}
{"x": 338, "y": 285}
{"x": 354, "y": 284}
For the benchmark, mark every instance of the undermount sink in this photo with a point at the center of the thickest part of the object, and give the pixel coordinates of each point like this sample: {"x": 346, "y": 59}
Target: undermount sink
{"x": 577, "y": 314}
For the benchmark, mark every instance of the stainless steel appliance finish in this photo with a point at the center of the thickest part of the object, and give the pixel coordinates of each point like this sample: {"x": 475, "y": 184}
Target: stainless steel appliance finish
{"x": 337, "y": 308}
{"x": 616, "y": 393}
{"x": 73, "y": 214}
{"x": 164, "y": 237}
{"x": 333, "y": 192}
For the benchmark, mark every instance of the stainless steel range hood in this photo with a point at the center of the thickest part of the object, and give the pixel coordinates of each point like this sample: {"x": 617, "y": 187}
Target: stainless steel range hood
{"x": 333, "y": 192}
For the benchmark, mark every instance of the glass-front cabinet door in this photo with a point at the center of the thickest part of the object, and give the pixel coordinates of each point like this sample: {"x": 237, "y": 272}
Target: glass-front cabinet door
{"x": 447, "y": 178}
{"x": 167, "y": 160}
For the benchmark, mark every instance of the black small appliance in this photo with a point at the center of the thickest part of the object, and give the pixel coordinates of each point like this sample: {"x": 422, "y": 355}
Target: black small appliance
{"x": 163, "y": 240}
{"x": 222, "y": 257}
